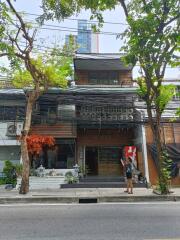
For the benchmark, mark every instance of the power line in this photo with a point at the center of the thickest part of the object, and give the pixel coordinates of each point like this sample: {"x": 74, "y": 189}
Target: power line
{"x": 76, "y": 19}
{"x": 107, "y": 56}
{"x": 70, "y": 29}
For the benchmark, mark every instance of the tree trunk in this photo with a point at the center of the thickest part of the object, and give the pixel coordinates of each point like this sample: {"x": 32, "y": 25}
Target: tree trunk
{"x": 31, "y": 98}
{"x": 159, "y": 143}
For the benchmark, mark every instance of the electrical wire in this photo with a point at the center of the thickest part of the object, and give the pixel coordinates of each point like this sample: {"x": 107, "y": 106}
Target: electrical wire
{"x": 76, "y": 19}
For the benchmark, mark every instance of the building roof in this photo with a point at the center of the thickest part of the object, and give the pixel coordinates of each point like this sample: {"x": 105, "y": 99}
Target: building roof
{"x": 12, "y": 94}
{"x": 86, "y": 89}
{"x": 99, "y": 61}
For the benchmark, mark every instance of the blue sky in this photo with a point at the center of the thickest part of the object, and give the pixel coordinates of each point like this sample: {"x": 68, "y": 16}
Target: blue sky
{"x": 107, "y": 43}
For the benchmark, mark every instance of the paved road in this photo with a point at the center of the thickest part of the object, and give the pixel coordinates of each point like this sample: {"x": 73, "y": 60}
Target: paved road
{"x": 90, "y": 222}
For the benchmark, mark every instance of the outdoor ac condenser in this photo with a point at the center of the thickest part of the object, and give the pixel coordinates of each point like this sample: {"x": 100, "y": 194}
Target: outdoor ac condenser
{"x": 14, "y": 128}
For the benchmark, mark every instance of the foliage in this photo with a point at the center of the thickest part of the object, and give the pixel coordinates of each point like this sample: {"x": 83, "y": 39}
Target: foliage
{"x": 166, "y": 94}
{"x": 70, "y": 178}
{"x": 10, "y": 173}
{"x": 2, "y": 181}
{"x": 178, "y": 112}
{"x": 165, "y": 176}
{"x": 37, "y": 142}
{"x": 28, "y": 67}
{"x": 55, "y": 9}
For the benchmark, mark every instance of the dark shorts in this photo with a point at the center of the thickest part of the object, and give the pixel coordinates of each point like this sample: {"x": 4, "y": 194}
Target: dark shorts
{"x": 129, "y": 175}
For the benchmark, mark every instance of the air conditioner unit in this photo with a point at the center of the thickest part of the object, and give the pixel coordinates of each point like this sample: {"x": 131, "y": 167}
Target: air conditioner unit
{"x": 19, "y": 128}
{"x": 14, "y": 128}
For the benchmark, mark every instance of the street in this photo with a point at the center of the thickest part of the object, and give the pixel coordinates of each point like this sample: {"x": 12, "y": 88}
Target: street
{"x": 91, "y": 221}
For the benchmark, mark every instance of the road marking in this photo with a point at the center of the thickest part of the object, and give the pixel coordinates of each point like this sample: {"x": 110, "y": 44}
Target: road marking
{"x": 162, "y": 239}
{"x": 89, "y": 204}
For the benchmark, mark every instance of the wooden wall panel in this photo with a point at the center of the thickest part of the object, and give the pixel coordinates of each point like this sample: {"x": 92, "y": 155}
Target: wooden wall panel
{"x": 149, "y": 135}
{"x": 176, "y": 181}
{"x": 176, "y": 127}
{"x": 168, "y": 133}
{"x": 153, "y": 175}
{"x": 125, "y": 77}
{"x": 140, "y": 162}
{"x": 104, "y": 137}
{"x": 81, "y": 77}
{"x": 64, "y": 130}
{"x": 110, "y": 169}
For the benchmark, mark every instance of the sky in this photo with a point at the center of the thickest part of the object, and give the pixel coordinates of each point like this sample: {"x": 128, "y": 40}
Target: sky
{"x": 107, "y": 43}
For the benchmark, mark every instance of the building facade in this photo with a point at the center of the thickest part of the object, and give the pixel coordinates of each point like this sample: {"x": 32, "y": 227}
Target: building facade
{"x": 12, "y": 112}
{"x": 101, "y": 119}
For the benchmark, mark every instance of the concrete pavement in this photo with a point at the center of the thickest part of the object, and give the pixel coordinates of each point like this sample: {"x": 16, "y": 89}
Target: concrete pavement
{"x": 77, "y": 195}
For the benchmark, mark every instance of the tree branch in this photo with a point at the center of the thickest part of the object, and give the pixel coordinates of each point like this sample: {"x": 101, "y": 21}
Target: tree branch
{"x": 122, "y": 2}
{"x": 3, "y": 54}
{"x": 23, "y": 26}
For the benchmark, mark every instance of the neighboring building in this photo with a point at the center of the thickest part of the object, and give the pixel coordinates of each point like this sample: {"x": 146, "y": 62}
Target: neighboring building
{"x": 86, "y": 40}
{"x": 12, "y": 112}
{"x": 95, "y": 120}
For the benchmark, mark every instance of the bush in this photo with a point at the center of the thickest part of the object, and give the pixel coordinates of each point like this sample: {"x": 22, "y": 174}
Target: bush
{"x": 10, "y": 173}
{"x": 70, "y": 178}
{"x": 2, "y": 181}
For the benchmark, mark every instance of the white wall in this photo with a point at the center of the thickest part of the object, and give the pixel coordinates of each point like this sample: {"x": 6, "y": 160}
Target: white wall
{"x": 9, "y": 147}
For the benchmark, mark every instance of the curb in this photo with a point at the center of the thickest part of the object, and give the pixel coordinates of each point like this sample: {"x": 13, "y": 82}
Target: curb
{"x": 94, "y": 199}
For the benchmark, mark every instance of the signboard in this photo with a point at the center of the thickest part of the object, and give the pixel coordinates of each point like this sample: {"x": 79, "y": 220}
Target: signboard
{"x": 130, "y": 151}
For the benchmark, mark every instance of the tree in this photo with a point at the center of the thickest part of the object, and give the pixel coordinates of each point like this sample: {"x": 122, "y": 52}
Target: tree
{"x": 151, "y": 40}
{"x": 37, "y": 72}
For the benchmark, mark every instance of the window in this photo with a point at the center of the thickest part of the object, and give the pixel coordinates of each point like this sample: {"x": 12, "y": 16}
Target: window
{"x": 103, "y": 78}
{"x": 109, "y": 155}
{"x": 12, "y": 113}
{"x": 66, "y": 111}
{"x": 62, "y": 156}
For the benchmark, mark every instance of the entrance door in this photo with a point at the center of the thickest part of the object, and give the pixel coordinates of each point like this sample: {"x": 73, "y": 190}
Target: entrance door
{"x": 92, "y": 161}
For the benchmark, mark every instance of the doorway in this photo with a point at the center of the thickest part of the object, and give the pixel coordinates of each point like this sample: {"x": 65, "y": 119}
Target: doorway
{"x": 103, "y": 161}
{"x": 92, "y": 161}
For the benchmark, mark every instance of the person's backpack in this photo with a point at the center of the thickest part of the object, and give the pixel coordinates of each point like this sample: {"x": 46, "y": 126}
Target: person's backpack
{"x": 129, "y": 168}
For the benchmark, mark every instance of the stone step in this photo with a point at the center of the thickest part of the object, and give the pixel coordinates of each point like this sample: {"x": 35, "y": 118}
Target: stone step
{"x": 53, "y": 182}
{"x": 102, "y": 179}
{"x": 101, "y": 185}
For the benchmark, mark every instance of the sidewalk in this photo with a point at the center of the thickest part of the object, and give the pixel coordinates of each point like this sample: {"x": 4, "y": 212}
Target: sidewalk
{"x": 76, "y": 195}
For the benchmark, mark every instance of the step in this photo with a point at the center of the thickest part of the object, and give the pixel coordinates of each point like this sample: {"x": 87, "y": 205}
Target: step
{"x": 102, "y": 179}
{"x": 49, "y": 182}
{"x": 102, "y": 185}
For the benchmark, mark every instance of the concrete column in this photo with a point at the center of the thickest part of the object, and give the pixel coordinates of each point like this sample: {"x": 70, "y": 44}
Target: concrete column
{"x": 144, "y": 152}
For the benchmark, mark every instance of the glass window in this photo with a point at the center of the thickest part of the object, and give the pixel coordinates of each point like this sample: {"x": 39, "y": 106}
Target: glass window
{"x": 103, "y": 78}
{"x": 109, "y": 155}
{"x": 12, "y": 113}
{"x": 61, "y": 157}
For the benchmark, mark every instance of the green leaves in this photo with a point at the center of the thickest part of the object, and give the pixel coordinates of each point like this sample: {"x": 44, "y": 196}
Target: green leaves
{"x": 166, "y": 94}
{"x": 53, "y": 71}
